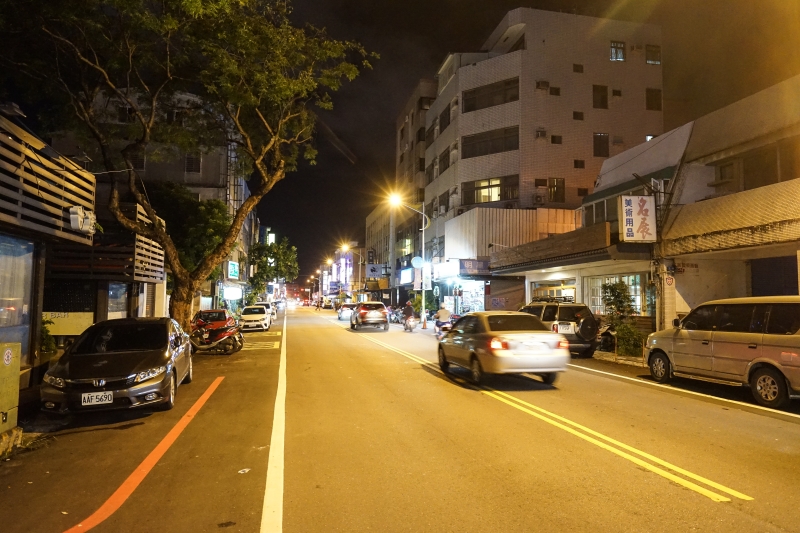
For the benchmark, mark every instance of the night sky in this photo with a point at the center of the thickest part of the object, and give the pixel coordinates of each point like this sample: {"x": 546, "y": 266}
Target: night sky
{"x": 714, "y": 52}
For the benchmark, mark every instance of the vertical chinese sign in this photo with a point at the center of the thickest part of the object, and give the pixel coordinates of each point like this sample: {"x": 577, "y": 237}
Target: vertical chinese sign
{"x": 637, "y": 218}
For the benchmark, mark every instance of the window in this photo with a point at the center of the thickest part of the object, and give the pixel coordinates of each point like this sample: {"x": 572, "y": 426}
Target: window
{"x": 490, "y": 142}
{"x": 601, "y": 144}
{"x": 616, "y": 92}
{"x": 550, "y": 313}
{"x": 424, "y": 103}
{"x": 192, "y": 163}
{"x": 430, "y": 135}
{"x": 617, "y": 51}
{"x": 701, "y": 319}
{"x": 555, "y": 139}
{"x": 784, "y": 319}
{"x": 652, "y": 54}
{"x": 490, "y": 190}
{"x": 491, "y": 95}
{"x": 577, "y": 115}
{"x": 654, "y": 99}
{"x": 588, "y": 215}
{"x": 578, "y": 163}
{"x": 402, "y": 133}
{"x": 555, "y": 91}
{"x": 600, "y": 96}
{"x": 583, "y": 191}
{"x": 444, "y": 119}
{"x": 577, "y": 68}
{"x": 556, "y": 190}
{"x": 736, "y": 318}
{"x": 125, "y": 114}
{"x": 444, "y": 201}
{"x": 539, "y": 182}
{"x": 515, "y": 323}
{"x": 444, "y": 160}
{"x": 429, "y": 177}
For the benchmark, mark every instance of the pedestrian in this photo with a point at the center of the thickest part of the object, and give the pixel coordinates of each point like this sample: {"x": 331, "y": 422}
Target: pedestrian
{"x": 319, "y": 303}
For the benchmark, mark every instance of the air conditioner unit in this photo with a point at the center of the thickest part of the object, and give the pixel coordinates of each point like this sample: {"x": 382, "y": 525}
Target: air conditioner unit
{"x": 543, "y": 85}
{"x": 541, "y": 134}
{"x": 539, "y": 199}
{"x": 442, "y": 210}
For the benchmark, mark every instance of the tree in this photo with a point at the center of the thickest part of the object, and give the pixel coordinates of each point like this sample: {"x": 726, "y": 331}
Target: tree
{"x": 236, "y": 72}
{"x": 619, "y": 310}
{"x": 273, "y": 261}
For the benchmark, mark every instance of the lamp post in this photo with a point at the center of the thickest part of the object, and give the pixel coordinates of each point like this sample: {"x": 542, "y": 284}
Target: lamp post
{"x": 395, "y": 200}
{"x": 346, "y": 248}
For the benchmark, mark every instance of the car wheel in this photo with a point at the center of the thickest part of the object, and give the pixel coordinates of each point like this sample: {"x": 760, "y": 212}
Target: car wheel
{"x": 230, "y": 346}
{"x": 352, "y": 326}
{"x": 170, "y": 401}
{"x": 189, "y": 372}
{"x": 588, "y": 353}
{"x": 660, "y": 367}
{"x": 769, "y": 387}
{"x": 444, "y": 365}
{"x": 549, "y": 378}
{"x": 355, "y": 326}
{"x": 476, "y": 371}
{"x": 386, "y": 326}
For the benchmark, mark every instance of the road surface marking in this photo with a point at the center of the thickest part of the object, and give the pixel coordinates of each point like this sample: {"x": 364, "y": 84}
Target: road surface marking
{"x": 676, "y": 389}
{"x": 129, "y": 485}
{"x": 272, "y": 511}
{"x": 261, "y": 345}
{"x": 503, "y": 397}
{"x": 631, "y": 449}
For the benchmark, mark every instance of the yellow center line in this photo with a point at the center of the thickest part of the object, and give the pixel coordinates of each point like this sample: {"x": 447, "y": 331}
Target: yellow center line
{"x": 564, "y": 423}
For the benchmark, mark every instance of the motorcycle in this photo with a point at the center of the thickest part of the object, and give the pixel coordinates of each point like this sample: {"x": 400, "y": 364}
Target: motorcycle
{"x": 226, "y": 340}
{"x": 410, "y": 324}
{"x": 443, "y": 330}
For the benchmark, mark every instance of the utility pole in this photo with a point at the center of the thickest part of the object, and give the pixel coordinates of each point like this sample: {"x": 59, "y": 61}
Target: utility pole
{"x": 392, "y": 232}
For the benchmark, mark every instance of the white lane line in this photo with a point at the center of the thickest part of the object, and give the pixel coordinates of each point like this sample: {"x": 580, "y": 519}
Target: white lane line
{"x": 675, "y": 389}
{"x": 272, "y": 511}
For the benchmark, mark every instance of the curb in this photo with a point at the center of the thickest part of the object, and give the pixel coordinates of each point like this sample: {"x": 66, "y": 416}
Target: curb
{"x": 619, "y": 359}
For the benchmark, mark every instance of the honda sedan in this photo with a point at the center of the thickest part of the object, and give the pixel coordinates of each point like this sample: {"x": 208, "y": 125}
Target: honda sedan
{"x": 504, "y": 342}
{"x": 119, "y": 364}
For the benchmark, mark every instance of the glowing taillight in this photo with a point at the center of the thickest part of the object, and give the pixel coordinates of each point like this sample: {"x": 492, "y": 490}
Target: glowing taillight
{"x": 498, "y": 344}
{"x": 555, "y": 328}
{"x": 563, "y": 344}
{"x": 363, "y": 311}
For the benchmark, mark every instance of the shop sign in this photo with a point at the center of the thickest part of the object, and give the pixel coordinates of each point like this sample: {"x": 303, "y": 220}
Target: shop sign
{"x": 637, "y": 221}
{"x": 426, "y": 277}
{"x": 69, "y": 322}
{"x": 406, "y": 275}
{"x": 472, "y": 267}
{"x": 232, "y": 293}
{"x": 445, "y": 270}
{"x": 417, "y": 279}
{"x": 374, "y": 271}
{"x": 233, "y": 270}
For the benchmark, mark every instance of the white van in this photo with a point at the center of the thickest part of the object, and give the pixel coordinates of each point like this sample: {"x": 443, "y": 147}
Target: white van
{"x": 737, "y": 341}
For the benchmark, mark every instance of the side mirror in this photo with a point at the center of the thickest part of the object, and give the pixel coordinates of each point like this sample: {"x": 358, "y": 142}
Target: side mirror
{"x": 676, "y": 322}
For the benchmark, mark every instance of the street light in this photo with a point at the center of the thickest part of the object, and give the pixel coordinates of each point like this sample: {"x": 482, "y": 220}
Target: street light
{"x": 346, "y": 248}
{"x": 395, "y": 200}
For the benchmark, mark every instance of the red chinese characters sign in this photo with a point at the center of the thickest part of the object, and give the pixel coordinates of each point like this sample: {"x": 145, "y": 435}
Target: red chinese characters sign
{"x": 637, "y": 218}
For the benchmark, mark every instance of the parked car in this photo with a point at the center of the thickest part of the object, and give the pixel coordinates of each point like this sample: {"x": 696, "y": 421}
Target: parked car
{"x": 737, "y": 341}
{"x": 270, "y": 307}
{"x": 119, "y": 364}
{"x": 504, "y": 342}
{"x": 369, "y": 314}
{"x": 327, "y": 304}
{"x": 255, "y": 317}
{"x": 573, "y": 320}
{"x": 345, "y": 310}
{"x": 213, "y": 319}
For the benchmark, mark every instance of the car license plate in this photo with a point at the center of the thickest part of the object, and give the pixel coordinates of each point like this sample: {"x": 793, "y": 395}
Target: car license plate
{"x": 97, "y": 398}
{"x": 564, "y": 328}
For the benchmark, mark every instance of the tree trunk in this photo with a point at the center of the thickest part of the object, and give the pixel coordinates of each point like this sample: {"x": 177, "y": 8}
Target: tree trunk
{"x": 180, "y": 303}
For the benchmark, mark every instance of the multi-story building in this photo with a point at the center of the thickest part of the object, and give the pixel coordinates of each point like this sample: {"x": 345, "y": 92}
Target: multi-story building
{"x": 528, "y": 121}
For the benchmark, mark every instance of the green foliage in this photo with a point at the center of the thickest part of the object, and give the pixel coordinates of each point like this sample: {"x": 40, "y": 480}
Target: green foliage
{"x": 196, "y": 226}
{"x": 415, "y": 297}
{"x": 629, "y": 340}
{"x": 46, "y": 340}
{"x": 272, "y": 261}
{"x": 618, "y": 302}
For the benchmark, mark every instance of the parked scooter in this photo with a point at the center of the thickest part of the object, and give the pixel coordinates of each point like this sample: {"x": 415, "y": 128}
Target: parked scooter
{"x": 410, "y": 324}
{"x": 226, "y": 340}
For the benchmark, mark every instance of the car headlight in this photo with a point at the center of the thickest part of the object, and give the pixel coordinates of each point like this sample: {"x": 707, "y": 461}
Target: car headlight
{"x": 54, "y": 381}
{"x": 148, "y": 374}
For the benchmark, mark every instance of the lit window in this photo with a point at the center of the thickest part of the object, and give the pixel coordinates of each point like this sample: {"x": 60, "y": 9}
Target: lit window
{"x": 617, "y": 51}
{"x": 556, "y": 190}
{"x": 653, "y": 54}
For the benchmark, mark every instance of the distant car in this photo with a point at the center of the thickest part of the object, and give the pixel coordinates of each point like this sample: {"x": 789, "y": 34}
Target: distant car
{"x": 213, "y": 319}
{"x": 573, "y": 320}
{"x": 327, "y": 304}
{"x": 291, "y": 304}
{"x": 305, "y": 302}
{"x": 345, "y": 310}
{"x": 272, "y": 308}
{"x": 255, "y": 317}
{"x": 120, "y": 364}
{"x": 504, "y": 342}
{"x": 369, "y": 314}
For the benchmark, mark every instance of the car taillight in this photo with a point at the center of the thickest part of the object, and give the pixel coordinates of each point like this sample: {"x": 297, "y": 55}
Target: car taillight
{"x": 498, "y": 344}
{"x": 563, "y": 344}
{"x": 555, "y": 328}
{"x": 385, "y": 312}
{"x": 363, "y": 311}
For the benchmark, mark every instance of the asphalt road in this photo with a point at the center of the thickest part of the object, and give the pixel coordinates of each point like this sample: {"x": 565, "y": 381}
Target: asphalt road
{"x": 376, "y": 438}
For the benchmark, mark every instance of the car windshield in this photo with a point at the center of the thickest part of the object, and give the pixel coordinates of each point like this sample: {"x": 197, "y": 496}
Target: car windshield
{"x": 213, "y": 316}
{"x": 122, "y": 338}
{"x": 515, "y": 323}
{"x": 573, "y": 313}
{"x": 254, "y": 311}
{"x": 372, "y": 307}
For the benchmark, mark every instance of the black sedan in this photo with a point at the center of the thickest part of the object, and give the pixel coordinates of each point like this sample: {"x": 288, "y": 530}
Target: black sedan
{"x": 119, "y": 364}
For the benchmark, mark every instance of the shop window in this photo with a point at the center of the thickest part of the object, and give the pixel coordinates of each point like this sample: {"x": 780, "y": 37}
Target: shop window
{"x": 117, "y": 300}
{"x": 16, "y": 267}
{"x": 642, "y": 294}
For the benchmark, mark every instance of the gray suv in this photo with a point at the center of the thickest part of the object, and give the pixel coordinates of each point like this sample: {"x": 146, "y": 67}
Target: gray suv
{"x": 573, "y": 320}
{"x": 369, "y": 314}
